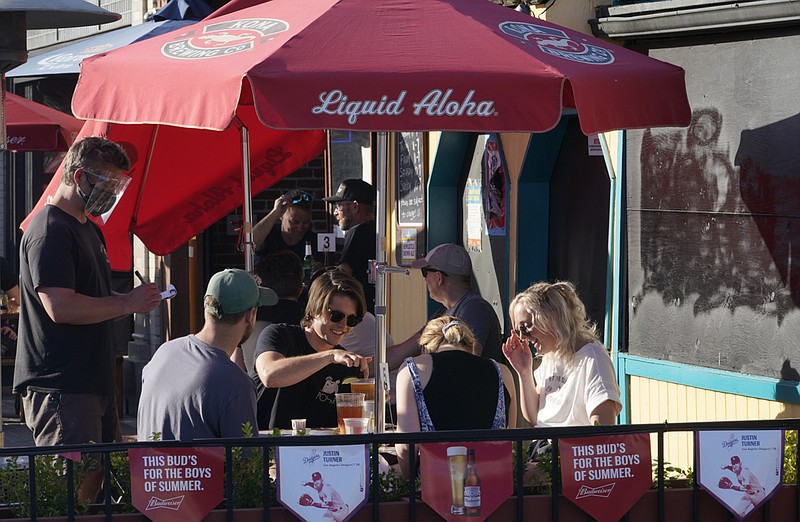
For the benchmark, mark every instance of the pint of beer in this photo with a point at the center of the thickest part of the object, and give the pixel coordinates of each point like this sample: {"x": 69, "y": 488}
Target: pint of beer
{"x": 457, "y": 461}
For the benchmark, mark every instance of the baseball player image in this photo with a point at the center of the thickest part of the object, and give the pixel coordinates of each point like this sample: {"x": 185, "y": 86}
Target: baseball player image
{"x": 749, "y": 485}
{"x": 329, "y": 499}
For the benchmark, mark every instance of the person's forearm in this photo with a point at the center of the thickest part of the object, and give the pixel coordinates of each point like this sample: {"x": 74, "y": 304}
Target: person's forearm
{"x": 395, "y": 355}
{"x": 529, "y": 398}
{"x": 291, "y": 370}
{"x": 605, "y": 414}
{"x": 262, "y": 228}
{"x": 83, "y": 309}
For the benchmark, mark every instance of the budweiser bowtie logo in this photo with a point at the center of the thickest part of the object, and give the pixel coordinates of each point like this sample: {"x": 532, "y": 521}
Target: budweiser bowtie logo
{"x": 599, "y": 491}
{"x": 173, "y": 503}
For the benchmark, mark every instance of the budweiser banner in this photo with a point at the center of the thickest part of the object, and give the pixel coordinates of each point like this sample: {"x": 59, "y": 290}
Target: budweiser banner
{"x": 606, "y": 476}
{"x": 741, "y": 469}
{"x": 325, "y": 483}
{"x": 176, "y": 483}
{"x": 466, "y": 481}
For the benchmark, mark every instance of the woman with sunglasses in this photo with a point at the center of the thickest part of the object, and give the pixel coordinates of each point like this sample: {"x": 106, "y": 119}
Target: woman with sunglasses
{"x": 287, "y": 227}
{"x": 448, "y": 387}
{"x": 575, "y": 384}
{"x": 300, "y": 367}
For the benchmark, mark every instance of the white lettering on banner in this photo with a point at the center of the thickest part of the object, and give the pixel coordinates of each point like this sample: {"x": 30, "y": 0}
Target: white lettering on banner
{"x": 337, "y": 103}
{"x": 437, "y": 102}
{"x": 600, "y": 491}
{"x": 173, "y": 503}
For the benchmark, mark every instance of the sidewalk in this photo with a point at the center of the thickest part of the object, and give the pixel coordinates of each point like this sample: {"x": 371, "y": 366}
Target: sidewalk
{"x": 17, "y": 434}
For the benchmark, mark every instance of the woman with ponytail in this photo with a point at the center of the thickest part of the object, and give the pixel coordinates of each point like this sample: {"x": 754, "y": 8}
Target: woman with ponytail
{"x": 450, "y": 388}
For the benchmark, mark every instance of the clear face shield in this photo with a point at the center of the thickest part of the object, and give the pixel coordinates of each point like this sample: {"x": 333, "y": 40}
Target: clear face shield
{"x": 104, "y": 195}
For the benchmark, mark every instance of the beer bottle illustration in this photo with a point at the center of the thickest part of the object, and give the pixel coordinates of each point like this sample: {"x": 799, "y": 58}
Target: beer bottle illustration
{"x": 472, "y": 487}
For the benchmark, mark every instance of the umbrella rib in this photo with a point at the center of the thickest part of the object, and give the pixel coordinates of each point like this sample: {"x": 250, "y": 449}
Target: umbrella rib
{"x": 145, "y": 173}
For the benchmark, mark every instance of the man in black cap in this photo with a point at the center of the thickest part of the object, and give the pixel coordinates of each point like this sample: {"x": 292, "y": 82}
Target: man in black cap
{"x": 354, "y": 209}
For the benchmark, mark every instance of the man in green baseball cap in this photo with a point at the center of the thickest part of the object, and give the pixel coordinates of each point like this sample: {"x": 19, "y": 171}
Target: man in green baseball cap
{"x": 190, "y": 388}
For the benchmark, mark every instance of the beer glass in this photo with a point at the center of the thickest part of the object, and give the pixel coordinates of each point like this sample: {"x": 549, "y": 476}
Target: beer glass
{"x": 365, "y": 386}
{"x": 349, "y": 405}
{"x": 457, "y": 462}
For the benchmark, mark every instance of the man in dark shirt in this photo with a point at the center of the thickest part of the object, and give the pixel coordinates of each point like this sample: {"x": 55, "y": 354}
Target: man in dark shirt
{"x": 354, "y": 209}
{"x": 447, "y": 270}
{"x": 64, "y": 367}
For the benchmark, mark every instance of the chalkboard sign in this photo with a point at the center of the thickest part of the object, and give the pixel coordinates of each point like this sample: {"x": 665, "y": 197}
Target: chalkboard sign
{"x": 410, "y": 180}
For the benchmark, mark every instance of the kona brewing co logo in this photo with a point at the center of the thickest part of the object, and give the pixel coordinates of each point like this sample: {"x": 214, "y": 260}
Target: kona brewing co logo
{"x": 223, "y": 39}
{"x": 599, "y": 491}
{"x": 173, "y": 504}
{"x": 557, "y": 43}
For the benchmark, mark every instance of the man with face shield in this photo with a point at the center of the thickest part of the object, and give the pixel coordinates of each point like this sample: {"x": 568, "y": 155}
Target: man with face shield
{"x": 64, "y": 368}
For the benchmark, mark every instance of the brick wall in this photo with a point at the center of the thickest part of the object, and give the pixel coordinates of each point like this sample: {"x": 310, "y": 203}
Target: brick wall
{"x": 311, "y": 178}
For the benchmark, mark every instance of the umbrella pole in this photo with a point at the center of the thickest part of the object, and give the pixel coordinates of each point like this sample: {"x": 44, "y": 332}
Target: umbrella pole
{"x": 381, "y": 201}
{"x": 3, "y": 138}
{"x": 247, "y": 204}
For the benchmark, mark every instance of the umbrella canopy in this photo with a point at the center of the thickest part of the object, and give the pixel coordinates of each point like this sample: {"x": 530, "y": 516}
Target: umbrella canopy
{"x": 36, "y": 127}
{"x": 184, "y": 180}
{"x": 394, "y": 65}
{"x": 67, "y": 59}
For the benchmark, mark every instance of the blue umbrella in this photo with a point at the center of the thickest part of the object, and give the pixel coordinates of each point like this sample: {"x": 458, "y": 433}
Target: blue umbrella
{"x": 66, "y": 60}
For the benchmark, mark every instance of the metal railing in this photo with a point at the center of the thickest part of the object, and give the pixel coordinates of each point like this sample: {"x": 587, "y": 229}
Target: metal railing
{"x": 517, "y": 436}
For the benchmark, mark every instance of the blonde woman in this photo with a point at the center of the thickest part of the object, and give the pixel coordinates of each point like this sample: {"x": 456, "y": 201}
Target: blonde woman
{"x": 450, "y": 388}
{"x": 575, "y": 384}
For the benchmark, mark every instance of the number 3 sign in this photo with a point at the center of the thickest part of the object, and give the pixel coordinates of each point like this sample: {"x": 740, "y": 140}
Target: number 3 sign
{"x": 326, "y": 242}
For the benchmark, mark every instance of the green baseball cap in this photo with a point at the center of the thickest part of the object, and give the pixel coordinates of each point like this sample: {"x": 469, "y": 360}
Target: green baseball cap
{"x": 236, "y": 291}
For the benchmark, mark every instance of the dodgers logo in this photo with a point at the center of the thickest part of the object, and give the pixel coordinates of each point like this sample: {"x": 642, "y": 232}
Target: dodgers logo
{"x": 557, "y": 43}
{"x": 224, "y": 39}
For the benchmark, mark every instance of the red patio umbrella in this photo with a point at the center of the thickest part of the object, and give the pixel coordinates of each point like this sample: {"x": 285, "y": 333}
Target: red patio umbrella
{"x": 184, "y": 180}
{"x": 393, "y": 65}
{"x": 32, "y": 126}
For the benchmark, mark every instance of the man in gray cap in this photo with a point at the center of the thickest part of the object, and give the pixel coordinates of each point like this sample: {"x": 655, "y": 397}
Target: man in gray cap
{"x": 447, "y": 270}
{"x": 191, "y": 389}
{"x": 354, "y": 209}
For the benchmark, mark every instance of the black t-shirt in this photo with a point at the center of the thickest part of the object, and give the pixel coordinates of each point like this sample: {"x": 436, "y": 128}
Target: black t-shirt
{"x": 359, "y": 248}
{"x": 274, "y": 243}
{"x": 59, "y": 251}
{"x": 462, "y": 391}
{"x": 313, "y": 399}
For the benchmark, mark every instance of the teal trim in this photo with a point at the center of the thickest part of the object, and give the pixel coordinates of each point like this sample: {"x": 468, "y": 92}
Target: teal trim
{"x": 614, "y": 276}
{"x": 444, "y": 187}
{"x": 533, "y": 205}
{"x": 711, "y": 379}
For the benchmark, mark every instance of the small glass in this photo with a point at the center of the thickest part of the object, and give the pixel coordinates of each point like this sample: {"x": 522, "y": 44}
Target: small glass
{"x": 356, "y": 425}
{"x": 298, "y": 426}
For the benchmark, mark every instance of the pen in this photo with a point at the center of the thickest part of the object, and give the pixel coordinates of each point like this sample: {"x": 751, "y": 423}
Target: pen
{"x": 139, "y": 277}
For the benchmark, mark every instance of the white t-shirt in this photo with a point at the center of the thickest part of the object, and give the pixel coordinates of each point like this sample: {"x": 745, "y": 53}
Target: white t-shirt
{"x": 568, "y": 398}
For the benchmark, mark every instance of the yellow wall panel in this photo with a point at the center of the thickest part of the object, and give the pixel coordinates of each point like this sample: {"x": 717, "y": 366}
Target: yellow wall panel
{"x": 653, "y": 402}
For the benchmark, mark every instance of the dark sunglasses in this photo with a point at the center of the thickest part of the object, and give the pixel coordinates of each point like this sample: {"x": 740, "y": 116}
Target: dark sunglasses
{"x": 337, "y": 316}
{"x": 300, "y": 198}
{"x": 426, "y": 270}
